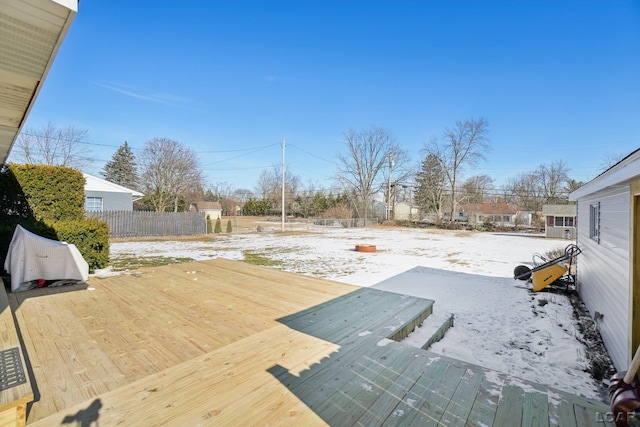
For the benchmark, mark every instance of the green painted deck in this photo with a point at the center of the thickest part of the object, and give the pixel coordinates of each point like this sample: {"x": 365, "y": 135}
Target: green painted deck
{"x": 375, "y": 381}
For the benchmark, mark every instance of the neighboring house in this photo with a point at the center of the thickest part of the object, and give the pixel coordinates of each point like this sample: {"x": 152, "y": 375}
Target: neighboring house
{"x": 560, "y": 221}
{"x": 404, "y": 211}
{"x": 497, "y": 213}
{"x": 609, "y": 265}
{"x": 212, "y": 209}
{"x": 102, "y": 195}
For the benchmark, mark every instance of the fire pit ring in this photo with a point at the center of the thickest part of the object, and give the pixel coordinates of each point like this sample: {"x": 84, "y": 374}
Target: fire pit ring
{"x": 365, "y": 248}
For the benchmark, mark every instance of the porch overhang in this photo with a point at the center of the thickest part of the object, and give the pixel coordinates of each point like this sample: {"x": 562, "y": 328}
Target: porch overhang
{"x": 31, "y": 32}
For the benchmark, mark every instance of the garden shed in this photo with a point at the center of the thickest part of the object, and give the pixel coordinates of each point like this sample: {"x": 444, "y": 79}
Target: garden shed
{"x": 404, "y": 211}
{"x": 608, "y": 217}
{"x": 212, "y": 209}
{"x": 559, "y": 221}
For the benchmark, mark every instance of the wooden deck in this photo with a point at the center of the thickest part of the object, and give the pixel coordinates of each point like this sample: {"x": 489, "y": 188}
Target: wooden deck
{"x": 227, "y": 343}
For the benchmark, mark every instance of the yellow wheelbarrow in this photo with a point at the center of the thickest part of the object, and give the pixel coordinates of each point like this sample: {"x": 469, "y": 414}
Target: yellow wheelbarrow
{"x": 549, "y": 271}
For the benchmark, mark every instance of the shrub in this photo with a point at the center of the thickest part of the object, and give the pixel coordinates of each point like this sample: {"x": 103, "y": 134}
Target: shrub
{"x": 338, "y": 211}
{"x": 229, "y": 227}
{"x": 49, "y": 201}
{"x": 90, "y": 236}
{"x": 218, "y": 228}
{"x": 54, "y": 193}
{"x": 209, "y": 227}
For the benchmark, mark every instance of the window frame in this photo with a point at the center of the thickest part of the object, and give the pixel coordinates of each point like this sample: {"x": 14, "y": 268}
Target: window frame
{"x": 594, "y": 222}
{"x": 94, "y": 207}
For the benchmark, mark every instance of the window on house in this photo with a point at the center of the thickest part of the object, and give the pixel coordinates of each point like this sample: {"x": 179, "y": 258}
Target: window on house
{"x": 93, "y": 204}
{"x": 563, "y": 221}
{"x": 594, "y": 221}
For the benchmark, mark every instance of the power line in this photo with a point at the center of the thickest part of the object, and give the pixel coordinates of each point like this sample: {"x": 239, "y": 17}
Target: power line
{"x": 240, "y": 155}
{"x": 313, "y": 155}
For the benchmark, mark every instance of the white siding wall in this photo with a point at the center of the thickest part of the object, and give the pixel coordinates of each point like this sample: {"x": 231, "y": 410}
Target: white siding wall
{"x": 603, "y": 269}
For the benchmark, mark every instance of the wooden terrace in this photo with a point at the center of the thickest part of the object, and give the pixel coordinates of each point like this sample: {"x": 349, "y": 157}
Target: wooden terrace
{"x": 227, "y": 343}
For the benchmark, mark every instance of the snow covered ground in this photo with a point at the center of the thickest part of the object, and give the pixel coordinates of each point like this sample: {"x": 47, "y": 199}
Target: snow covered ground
{"x": 499, "y": 323}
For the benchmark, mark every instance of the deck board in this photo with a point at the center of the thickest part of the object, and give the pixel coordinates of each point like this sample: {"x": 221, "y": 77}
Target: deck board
{"x": 226, "y": 343}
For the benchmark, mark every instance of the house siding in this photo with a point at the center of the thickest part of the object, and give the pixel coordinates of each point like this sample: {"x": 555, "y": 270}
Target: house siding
{"x": 560, "y": 232}
{"x": 603, "y": 268}
{"x": 112, "y": 201}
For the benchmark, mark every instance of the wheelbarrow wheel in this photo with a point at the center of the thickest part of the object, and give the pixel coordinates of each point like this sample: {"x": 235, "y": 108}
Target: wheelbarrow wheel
{"x": 522, "y": 272}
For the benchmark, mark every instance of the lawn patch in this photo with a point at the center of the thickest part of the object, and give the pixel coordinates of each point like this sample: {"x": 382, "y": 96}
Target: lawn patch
{"x": 135, "y": 262}
{"x": 257, "y": 258}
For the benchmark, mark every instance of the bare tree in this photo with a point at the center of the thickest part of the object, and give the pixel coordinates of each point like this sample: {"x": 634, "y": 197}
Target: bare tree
{"x": 476, "y": 188}
{"x": 610, "y": 159}
{"x": 553, "y": 179}
{"x": 51, "y": 145}
{"x": 242, "y": 194}
{"x": 524, "y": 191}
{"x": 549, "y": 183}
{"x": 463, "y": 145}
{"x": 169, "y": 172}
{"x": 371, "y": 155}
{"x": 265, "y": 185}
{"x": 269, "y": 185}
{"x": 573, "y": 185}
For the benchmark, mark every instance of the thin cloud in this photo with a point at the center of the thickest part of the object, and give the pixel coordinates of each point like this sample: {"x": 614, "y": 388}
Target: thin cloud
{"x": 147, "y": 95}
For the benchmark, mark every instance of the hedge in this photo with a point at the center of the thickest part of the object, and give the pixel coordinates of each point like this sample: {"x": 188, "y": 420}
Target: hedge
{"x": 49, "y": 201}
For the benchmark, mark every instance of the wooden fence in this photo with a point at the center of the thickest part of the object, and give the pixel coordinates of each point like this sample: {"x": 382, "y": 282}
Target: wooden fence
{"x": 142, "y": 223}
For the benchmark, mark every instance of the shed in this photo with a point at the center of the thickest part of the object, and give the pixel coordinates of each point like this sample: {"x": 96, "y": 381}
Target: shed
{"x": 560, "y": 221}
{"x": 404, "y": 211}
{"x": 609, "y": 266}
{"x": 212, "y": 209}
{"x": 103, "y": 195}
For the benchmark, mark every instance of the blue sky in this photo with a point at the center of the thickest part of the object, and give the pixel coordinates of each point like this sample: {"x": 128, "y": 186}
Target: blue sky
{"x": 556, "y": 80}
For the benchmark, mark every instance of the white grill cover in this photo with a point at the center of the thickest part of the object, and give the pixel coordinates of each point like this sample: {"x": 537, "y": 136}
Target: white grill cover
{"x": 33, "y": 257}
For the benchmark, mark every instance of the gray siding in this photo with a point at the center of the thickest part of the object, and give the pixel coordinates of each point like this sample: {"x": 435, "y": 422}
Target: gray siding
{"x": 560, "y": 232}
{"x": 113, "y": 201}
{"x": 603, "y": 268}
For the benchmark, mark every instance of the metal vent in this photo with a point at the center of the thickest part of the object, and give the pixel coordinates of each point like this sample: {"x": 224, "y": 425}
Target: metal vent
{"x": 11, "y": 371}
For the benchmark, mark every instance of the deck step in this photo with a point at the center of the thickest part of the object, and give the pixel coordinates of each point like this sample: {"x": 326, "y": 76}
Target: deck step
{"x": 430, "y": 331}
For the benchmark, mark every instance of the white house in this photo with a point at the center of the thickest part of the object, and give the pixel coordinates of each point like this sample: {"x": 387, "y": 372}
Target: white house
{"x": 497, "y": 213}
{"x": 102, "y": 195}
{"x": 609, "y": 266}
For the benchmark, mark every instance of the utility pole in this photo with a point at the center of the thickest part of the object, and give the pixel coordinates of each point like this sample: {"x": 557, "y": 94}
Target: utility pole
{"x": 389, "y": 187}
{"x": 283, "y": 180}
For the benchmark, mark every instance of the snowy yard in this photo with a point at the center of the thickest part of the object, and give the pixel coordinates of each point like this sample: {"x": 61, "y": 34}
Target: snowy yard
{"x": 499, "y": 323}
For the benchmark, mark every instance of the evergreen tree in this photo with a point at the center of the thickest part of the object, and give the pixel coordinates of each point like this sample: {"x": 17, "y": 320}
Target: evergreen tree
{"x": 229, "y": 227}
{"x": 122, "y": 168}
{"x": 218, "y": 228}
{"x": 431, "y": 181}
